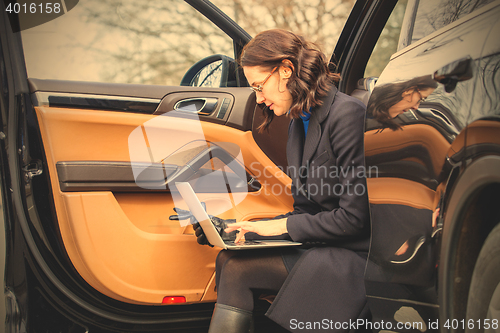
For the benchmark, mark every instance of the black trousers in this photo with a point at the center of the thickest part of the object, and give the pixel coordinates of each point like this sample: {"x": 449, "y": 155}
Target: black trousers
{"x": 240, "y": 275}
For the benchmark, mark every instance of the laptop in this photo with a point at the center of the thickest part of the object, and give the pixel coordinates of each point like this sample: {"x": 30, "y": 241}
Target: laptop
{"x": 211, "y": 233}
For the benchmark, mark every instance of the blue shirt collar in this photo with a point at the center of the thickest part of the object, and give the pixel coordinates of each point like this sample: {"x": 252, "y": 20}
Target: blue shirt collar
{"x": 305, "y": 120}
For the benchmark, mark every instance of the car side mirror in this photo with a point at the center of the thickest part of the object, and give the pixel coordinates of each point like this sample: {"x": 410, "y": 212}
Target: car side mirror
{"x": 213, "y": 71}
{"x": 451, "y": 74}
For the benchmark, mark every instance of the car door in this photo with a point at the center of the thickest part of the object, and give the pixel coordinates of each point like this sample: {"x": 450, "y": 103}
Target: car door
{"x": 418, "y": 147}
{"x": 89, "y": 168}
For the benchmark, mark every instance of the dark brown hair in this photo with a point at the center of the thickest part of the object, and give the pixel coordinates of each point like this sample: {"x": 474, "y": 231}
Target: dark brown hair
{"x": 311, "y": 78}
{"x": 387, "y": 95}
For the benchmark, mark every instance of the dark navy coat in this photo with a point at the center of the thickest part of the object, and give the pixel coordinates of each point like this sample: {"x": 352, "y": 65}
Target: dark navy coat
{"x": 325, "y": 287}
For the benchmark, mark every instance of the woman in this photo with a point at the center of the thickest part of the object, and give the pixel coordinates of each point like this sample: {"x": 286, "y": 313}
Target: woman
{"x": 392, "y": 99}
{"x": 321, "y": 285}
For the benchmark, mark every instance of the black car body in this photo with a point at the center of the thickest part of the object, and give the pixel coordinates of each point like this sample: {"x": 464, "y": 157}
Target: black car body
{"x": 437, "y": 175}
{"x": 78, "y": 258}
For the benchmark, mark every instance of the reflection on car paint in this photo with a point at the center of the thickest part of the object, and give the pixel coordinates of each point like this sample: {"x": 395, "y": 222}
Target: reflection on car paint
{"x": 417, "y": 148}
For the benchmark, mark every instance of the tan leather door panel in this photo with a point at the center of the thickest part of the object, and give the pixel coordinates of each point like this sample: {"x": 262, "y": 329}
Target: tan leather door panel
{"x": 122, "y": 243}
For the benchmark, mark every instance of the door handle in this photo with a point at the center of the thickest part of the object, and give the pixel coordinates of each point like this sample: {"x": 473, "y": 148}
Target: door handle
{"x": 202, "y": 105}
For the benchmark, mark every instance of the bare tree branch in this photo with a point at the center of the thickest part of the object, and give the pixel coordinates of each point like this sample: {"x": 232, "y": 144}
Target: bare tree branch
{"x": 159, "y": 40}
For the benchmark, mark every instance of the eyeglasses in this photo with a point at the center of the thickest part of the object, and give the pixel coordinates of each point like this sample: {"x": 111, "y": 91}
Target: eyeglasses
{"x": 422, "y": 99}
{"x": 260, "y": 86}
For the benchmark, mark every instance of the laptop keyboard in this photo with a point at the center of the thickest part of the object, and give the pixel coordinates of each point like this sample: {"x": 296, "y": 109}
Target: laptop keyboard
{"x": 247, "y": 242}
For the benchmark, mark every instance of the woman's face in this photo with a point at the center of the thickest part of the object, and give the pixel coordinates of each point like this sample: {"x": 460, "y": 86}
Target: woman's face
{"x": 411, "y": 100}
{"x": 273, "y": 85}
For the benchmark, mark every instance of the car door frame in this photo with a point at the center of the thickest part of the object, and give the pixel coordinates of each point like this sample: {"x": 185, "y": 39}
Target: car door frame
{"x": 21, "y": 224}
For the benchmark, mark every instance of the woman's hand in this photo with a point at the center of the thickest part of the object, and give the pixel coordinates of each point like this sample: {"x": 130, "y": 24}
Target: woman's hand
{"x": 263, "y": 228}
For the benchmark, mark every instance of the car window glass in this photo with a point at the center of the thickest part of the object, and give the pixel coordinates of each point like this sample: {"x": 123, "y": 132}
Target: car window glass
{"x": 432, "y": 15}
{"x": 388, "y": 41}
{"x": 320, "y": 21}
{"x": 123, "y": 41}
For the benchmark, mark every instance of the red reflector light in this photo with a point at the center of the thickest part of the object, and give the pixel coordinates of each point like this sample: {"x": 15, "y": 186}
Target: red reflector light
{"x": 173, "y": 299}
